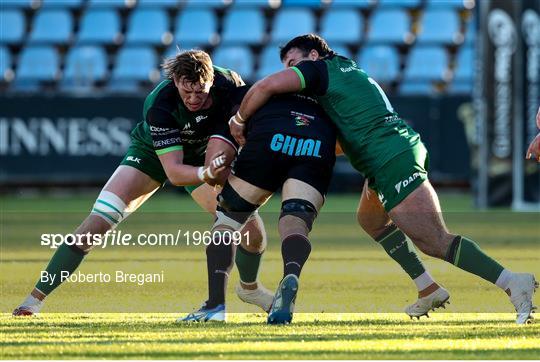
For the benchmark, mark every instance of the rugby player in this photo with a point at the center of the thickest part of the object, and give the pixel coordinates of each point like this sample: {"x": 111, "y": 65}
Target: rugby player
{"x": 185, "y": 123}
{"x": 390, "y": 155}
{"x": 291, "y": 144}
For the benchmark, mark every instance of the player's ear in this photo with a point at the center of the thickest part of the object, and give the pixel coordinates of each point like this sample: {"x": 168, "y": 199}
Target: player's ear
{"x": 313, "y": 55}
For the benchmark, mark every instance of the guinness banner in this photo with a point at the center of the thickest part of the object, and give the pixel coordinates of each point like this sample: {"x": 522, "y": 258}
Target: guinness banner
{"x": 64, "y": 140}
{"x": 507, "y": 87}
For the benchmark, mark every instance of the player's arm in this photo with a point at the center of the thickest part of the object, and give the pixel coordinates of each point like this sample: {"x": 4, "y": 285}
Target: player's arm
{"x": 168, "y": 147}
{"x": 309, "y": 75}
{"x": 285, "y": 81}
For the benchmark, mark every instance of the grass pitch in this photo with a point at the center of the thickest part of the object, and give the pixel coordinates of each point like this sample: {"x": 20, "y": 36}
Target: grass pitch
{"x": 350, "y": 300}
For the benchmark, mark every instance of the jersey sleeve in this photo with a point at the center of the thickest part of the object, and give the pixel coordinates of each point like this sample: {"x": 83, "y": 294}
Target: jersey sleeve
{"x": 164, "y": 130}
{"x": 221, "y": 131}
{"x": 313, "y": 76}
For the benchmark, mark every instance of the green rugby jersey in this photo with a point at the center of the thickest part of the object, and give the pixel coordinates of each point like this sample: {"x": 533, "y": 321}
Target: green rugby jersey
{"x": 168, "y": 125}
{"x": 369, "y": 130}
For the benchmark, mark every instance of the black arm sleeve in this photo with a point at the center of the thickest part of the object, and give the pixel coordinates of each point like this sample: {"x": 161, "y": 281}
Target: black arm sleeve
{"x": 164, "y": 130}
{"x": 315, "y": 75}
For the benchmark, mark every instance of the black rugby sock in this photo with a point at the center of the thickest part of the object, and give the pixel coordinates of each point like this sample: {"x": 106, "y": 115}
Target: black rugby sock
{"x": 295, "y": 250}
{"x": 219, "y": 261}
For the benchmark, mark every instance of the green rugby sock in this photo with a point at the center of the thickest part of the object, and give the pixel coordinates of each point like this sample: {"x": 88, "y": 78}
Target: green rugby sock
{"x": 467, "y": 255}
{"x": 402, "y": 250}
{"x": 66, "y": 259}
{"x": 248, "y": 265}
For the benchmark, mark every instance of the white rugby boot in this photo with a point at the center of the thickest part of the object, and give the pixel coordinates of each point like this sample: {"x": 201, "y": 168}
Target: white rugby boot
{"x": 521, "y": 288}
{"x": 29, "y": 307}
{"x": 260, "y": 297}
{"x": 423, "y": 305}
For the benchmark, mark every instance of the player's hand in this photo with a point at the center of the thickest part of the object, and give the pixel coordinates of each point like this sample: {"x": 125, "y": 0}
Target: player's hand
{"x": 534, "y": 148}
{"x": 237, "y": 127}
{"x": 218, "y": 164}
{"x": 538, "y": 118}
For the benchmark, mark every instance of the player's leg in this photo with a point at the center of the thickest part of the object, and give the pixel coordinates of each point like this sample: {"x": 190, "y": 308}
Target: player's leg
{"x": 375, "y": 221}
{"x": 419, "y": 216}
{"x": 301, "y": 203}
{"x": 236, "y": 204}
{"x": 125, "y": 191}
{"x": 254, "y": 244}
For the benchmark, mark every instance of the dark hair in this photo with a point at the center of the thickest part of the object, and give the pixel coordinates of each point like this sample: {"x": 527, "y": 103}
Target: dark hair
{"x": 194, "y": 65}
{"x": 306, "y": 43}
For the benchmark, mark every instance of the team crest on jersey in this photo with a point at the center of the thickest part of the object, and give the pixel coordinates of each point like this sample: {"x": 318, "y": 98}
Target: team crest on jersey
{"x": 301, "y": 119}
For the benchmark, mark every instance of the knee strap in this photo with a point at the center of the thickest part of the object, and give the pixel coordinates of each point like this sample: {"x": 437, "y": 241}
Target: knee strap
{"x": 300, "y": 208}
{"x": 232, "y": 209}
{"x": 110, "y": 208}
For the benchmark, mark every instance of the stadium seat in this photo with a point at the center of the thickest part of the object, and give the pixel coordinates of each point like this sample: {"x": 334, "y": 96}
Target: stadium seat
{"x": 84, "y": 66}
{"x": 65, "y": 4}
{"x": 204, "y": 4}
{"x": 148, "y": 26}
{"x": 237, "y": 21}
{"x": 341, "y": 25}
{"x": 380, "y": 62}
{"x": 115, "y": 4}
{"x": 6, "y": 4}
{"x": 461, "y": 87}
{"x": 196, "y": 26}
{"x": 173, "y": 49}
{"x": 11, "y": 26}
{"x": 52, "y": 26}
{"x": 341, "y": 49}
{"x": 426, "y": 63}
{"x": 411, "y": 4}
{"x": 470, "y": 33}
{"x": 451, "y": 3}
{"x": 389, "y": 26}
{"x": 158, "y": 3}
{"x": 289, "y": 23}
{"x": 5, "y": 61}
{"x": 416, "y": 88}
{"x": 269, "y": 61}
{"x": 39, "y": 63}
{"x": 237, "y": 58}
{"x": 99, "y": 26}
{"x": 302, "y": 3}
{"x": 439, "y": 26}
{"x": 464, "y": 65}
{"x": 353, "y": 3}
{"x": 135, "y": 63}
{"x": 254, "y": 3}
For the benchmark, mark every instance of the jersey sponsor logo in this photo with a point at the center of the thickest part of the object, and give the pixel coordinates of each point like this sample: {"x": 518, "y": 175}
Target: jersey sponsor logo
{"x": 200, "y": 118}
{"x": 187, "y": 131}
{"x": 133, "y": 159}
{"x": 404, "y": 183}
{"x": 294, "y": 146}
{"x": 158, "y": 129}
{"x": 167, "y": 142}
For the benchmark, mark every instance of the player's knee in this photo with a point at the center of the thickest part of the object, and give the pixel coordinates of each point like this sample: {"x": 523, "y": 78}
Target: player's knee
{"x": 232, "y": 211}
{"x": 297, "y": 217}
{"x": 110, "y": 208}
{"x": 254, "y": 235}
